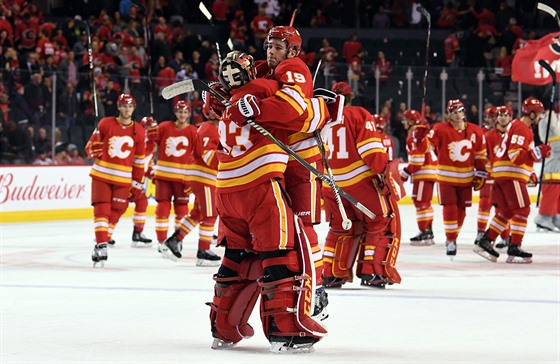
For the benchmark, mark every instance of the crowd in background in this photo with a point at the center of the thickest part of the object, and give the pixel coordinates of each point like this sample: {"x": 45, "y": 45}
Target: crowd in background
{"x": 35, "y": 47}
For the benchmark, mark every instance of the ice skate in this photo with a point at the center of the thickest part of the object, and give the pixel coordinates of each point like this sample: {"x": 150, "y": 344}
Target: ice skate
{"x": 320, "y": 312}
{"x": 219, "y": 344}
{"x": 172, "y": 248}
{"x": 479, "y": 236}
{"x": 373, "y": 280}
{"x": 333, "y": 282}
{"x": 111, "y": 242}
{"x": 517, "y": 255}
{"x": 99, "y": 255}
{"x": 207, "y": 258}
{"x": 483, "y": 247}
{"x": 556, "y": 221}
{"x": 291, "y": 344}
{"x": 139, "y": 240}
{"x": 545, "y": 223}
{"x": 423, "y": 238}
{"x": 451, "y": 249}
{"x": 503, "y": 244}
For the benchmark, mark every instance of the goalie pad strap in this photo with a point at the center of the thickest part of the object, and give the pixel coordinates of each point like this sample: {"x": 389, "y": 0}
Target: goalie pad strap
{"x": 289, "y": 260}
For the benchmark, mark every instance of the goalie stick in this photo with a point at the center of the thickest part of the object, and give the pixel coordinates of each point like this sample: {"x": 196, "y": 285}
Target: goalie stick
{"x": 550, "y": 11}
{"x": 200, "y": 85}
{"x": 552, "y": 73}
{"x": 428, "y": 17}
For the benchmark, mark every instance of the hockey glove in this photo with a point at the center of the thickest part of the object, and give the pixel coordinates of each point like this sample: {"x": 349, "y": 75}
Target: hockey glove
{"x": 405, "y": 175}
{"x": 94, "y": 148}
{"x": 533, "y": 180}
{"x": 245, "y": 108}
{"x": 540, "y": 152}
{"x": 136, "y": 190}
{"x": 213, "y": 102}
{"x": 153, "y": 133}
{"x": 479, "y": 180}
{"x": 148, "y": 121}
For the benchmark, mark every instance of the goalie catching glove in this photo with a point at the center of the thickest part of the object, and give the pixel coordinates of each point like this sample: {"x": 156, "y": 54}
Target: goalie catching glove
{"x": 479, "y": 180}
{"x": 135, "y": 191}
{"x": 245, "y": 108}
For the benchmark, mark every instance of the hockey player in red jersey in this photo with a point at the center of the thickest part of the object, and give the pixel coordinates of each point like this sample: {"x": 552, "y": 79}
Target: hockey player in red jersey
{"x": 359, "y": 163}
{"x": 497, "y": 120}
{"x": 512, "y": 170}
{"x": 200, "y": 176}
{"x": 461, "y": 166}
{"x": 174, "y": 141}
{"x": 117, "y": 147}
{"x": 421, "y": 169}
{"x": 266, "y": 252}
{"x": 386, "y": 140}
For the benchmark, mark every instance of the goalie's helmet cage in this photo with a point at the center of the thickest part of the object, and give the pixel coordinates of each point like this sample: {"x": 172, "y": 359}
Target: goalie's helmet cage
{"x": 532, "y": 104}
{"x": 236, "y": 70}
{"x": 288, "y": 34}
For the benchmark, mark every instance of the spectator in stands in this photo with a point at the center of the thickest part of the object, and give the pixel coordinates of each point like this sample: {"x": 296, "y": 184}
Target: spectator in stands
{"x": 35, "y": 95}
{"x": 328, "y": 55}
{"x": 384, "y": 66}
{"x": 20, "y": 111}
{"x": 452, "y": 49}
{"x": 43, "y": 140}
{"x": 197, "y": 64}
{"x": 448, "y": 16}
{"x": 177, "y": 61}
{"x": 503, "y": 63}
{"x": 260, "y": 25}
{"x": 355, "y": 72}
{"x": 67, "y": 105}
{"x": 381, "y": 19}
{"x": 31, "y": 66}
{"x": 211, "y": 69}
{"x": 186, "y": 72}
{"x": 108, "y": 97}
{"x": 41, "y": 158}
{"x": 219, "y": 10}
{"x": 318, "y": 20}
{"x": 61, "y": 155}
{"x": 19, "y": 142}
{"x": 48, "y": 95}
{"x": 74, "y": 157}
{"x": 350, "y": 48}
{"x": 238, "y": 30}
{"x": 68, "y": 69}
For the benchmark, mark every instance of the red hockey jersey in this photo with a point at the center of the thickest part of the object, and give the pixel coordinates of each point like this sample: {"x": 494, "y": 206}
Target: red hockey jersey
{"x": 459, "y": 152}
{"x": 203, "y": 164}
{"x": 174, "y": 148}
{"x": 422, "y": 160}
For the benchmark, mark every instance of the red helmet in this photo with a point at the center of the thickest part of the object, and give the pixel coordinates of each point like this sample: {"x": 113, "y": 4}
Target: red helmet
{"x": 286, "y": 33}
{"x": 236, "y": 70}
{"x": 380, "y": 121}
{"x": 504, "y": 110}
{"x": 182, "y": 105}
{"x": 532, "y": 104}
{"x": 455, "y": 104}
{"x": 491, "y": 112}
{"x": 341, "y": 88}
{"x": 126, "y": 99}
{"x": 413, "y": 116}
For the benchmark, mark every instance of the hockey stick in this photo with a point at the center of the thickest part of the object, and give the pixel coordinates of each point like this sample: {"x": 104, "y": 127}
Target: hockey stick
{"x": 296, "y": 10}
{"x": 91, "y": 73}
{"x": 346, "y": 222}
{"x": 550, "y": 11}
{"x": 552, "y": 73}
{"x": 147, "y": 41}
{"x": 178, "y": 88}
{"x": 200, "y": 85}
{"x": 429, "y": 19}
{"x": 208, "y": 16}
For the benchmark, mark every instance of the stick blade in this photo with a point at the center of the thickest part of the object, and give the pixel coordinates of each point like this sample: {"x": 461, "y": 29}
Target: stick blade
{"x": 205, "y": 11}
{"x": 178, "y": 88}
{"x": 544, "y": 64}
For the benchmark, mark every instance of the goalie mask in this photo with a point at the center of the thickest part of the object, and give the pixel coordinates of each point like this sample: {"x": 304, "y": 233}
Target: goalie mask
{"x": 236, "y": 70}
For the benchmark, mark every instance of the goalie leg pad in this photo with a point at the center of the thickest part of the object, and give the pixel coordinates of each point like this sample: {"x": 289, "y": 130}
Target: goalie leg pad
{"x": 235, "y": 294}
{"x": 287, "y": 298}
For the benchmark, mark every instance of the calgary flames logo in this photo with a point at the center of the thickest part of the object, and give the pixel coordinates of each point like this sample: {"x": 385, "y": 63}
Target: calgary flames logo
{"x": 460, "y": 151}
{"x": 176, "y": 146}
{"x": 120, "y": 146}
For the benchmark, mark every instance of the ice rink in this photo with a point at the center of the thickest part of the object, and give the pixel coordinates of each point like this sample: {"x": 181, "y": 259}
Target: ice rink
{"x": 141, "y": 308}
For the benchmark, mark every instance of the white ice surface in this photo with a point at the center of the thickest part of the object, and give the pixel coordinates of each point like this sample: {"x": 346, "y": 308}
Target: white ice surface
{"x": 141, "y": 308}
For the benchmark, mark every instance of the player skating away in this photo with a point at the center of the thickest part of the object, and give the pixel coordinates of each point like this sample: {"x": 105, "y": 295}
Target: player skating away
{"x": 267, "y": 252}
{"x": 421, "y": 169}
{"x": 118, "y": 148}
{"x": 386, "y": 140}
{"x": 511, "y": 171}
{"x": 175, "y": 142}
{"x": 359, "y": 163}
{"x": 461, "y": 166}
{"x": 497, "y": 120}
{"x": 548, "y": 218}
{"x": 201, "y": 178}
